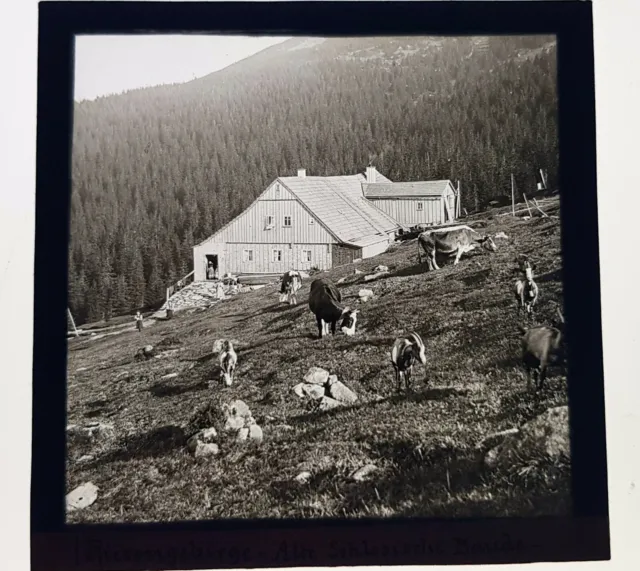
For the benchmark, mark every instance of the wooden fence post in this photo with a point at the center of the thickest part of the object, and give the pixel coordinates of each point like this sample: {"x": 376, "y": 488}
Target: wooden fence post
{"x": 527, "y": 203}
{"x": 513, "y": 200}
{"x": 544, "y": 215}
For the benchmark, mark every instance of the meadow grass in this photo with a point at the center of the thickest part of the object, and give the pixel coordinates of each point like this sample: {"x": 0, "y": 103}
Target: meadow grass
{"x": 423, "y": 441}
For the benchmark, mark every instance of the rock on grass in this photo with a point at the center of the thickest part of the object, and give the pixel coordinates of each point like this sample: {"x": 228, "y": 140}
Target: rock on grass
{"x": 342, "y": 393}
{"x": 82, "y": 497}
{"x": 316, "y": 376}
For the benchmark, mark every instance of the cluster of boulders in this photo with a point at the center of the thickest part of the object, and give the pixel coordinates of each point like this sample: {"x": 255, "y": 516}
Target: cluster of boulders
{"x": 198, "y": 294}
{"x": 146, "y": 352}
{"x": 325, "y": 390}
{"x": 205, "y": 294}
{"x": 239, "y": 426}
{"x": 84, "y": 437}
{"x": 89, "y": 433}
{"x": 306, "y": 470}
{"x": 544, "y": 437}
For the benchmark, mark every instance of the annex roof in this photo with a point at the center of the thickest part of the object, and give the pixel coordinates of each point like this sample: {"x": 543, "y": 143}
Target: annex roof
{"x": 339, "y": 203}
{"x": 417, "y": 189}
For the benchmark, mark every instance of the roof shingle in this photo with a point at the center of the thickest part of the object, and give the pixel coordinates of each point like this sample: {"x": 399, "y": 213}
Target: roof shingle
{"x": 405, "y": 189}
{"x": 339, "y": 203}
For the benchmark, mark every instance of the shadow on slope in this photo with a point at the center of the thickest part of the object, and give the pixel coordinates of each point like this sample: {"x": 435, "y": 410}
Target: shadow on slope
{"x": 411, "y": 396}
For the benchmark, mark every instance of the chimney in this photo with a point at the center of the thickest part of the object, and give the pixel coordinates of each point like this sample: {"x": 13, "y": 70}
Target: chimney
{"x": 371, "y": 174}
{"x": 302, "y": 173}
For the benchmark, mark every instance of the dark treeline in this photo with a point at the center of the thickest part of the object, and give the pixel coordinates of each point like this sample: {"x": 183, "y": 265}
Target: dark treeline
{"x": 157, "y": 170}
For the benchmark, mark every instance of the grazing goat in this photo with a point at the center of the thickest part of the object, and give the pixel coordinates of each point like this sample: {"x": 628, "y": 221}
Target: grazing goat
{"x": 526, "y": 289}
{"x": 324, "y": 302}
{"x": 404, "y": 354}
{"x": 451, "y": 242}
{"x": 523, "y": 262}
{"x": 290, "y": 284}
{"x": 540, "y": 345}
{"x": 228, "y": 361}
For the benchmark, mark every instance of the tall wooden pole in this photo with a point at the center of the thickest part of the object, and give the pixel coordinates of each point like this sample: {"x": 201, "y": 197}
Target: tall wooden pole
{"x": 73, "y": 323}
{"x": 543, "y": 176}
{"x": 513, "y": 199}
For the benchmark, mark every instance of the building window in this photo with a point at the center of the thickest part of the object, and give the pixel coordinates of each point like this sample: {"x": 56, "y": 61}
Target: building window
{"x": 311, "y": 221}
{"x": 287, "y": 221}
{"x": 277, "y": 255}
{"x": 328, "y": 248}
{"x": 420, "y": 205}
{"x": 270, "y": 222}
{"x": 306, "y": 255}
{"x": 277, "y": 189}
{"x": 247, "y": 255}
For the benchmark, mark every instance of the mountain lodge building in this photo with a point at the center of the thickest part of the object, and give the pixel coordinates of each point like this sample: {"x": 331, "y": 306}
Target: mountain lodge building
{"x": 303, "y": 222}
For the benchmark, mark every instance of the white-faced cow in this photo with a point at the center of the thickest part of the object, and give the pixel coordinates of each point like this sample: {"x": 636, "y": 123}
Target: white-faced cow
{"x": 291, "y": 282}
{"x": 406, "y": 351}
{"x": 324, "y": 302}
{"x": 456, "y": 242}
{"x": 228, "y": 362}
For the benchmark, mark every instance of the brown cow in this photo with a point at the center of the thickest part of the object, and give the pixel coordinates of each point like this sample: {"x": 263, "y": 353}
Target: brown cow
{"x": 456, "y": 242}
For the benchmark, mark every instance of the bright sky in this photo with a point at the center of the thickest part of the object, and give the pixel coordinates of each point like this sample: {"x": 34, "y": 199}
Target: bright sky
{"x": 112, "y": 64}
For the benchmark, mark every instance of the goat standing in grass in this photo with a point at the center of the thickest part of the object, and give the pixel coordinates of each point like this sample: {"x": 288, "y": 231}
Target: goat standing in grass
{"x": 228, "y": 360}
{"x": 540, "y": 345}
{"x": 404, "y": 354}
{"x": 526, "y": 289}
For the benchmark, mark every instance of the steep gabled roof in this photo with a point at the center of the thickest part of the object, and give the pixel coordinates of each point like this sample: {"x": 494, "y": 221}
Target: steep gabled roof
{"x": 426, "y": 188}
{"x": 339, "y": 204}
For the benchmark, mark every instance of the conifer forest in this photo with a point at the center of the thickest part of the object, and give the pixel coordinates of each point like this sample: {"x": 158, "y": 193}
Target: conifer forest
{"x": 157, "y": 170}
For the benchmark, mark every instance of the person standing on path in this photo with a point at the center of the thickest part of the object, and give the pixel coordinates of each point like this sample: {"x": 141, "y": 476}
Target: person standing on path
{"x": 139, "y": 321}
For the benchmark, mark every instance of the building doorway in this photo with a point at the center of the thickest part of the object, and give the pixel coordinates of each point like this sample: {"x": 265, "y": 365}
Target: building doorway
{"x": 212, "y": 272}
{"x": 450, "y": 207}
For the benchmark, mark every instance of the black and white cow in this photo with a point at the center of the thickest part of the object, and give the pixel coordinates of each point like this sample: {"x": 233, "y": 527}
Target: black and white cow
{"x": 291, "y": 282}
{"x": 452, "y": 242}
{"x": 324, "y": 302}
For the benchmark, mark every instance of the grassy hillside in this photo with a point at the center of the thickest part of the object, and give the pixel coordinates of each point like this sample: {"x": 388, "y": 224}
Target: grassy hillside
{"x": 422, "y": 441}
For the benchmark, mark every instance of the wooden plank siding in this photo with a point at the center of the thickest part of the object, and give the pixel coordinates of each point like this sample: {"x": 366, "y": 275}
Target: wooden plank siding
{"x": 342, "y": 255}
{"x": 255, "y": 258}
{"x": 406, "y": 212}
{"x": 372, "y": 250}
{"x": 251, "y": 227}
{"x": 293, "y": 230}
